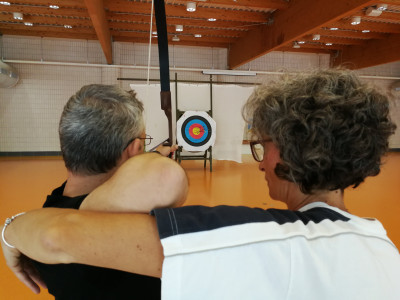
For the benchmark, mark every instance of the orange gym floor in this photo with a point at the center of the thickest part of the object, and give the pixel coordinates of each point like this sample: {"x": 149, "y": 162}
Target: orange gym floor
{"x": 25, "y": 182}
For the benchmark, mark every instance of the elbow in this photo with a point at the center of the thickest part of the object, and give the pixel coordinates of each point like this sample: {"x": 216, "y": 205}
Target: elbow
{"x": 55, "y": 239}
{"x": 174, "y": 183}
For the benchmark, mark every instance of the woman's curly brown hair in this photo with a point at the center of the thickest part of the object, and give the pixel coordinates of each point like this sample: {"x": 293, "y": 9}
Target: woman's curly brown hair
{"x": 330, "y": 128}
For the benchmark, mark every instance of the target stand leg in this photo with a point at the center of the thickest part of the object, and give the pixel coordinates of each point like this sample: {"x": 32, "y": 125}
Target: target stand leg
{"x": 208, "y": 156}
{"x": 210, "y": 159}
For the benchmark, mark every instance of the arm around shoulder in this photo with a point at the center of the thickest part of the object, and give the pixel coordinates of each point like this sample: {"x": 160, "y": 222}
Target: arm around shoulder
{"x": 122, "y": 241}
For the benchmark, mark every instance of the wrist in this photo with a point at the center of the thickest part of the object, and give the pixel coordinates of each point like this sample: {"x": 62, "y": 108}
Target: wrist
{"x": 8, "y": 222}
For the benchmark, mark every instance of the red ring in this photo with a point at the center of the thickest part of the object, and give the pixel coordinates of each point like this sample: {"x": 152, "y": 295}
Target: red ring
{"x": 191, "y": 131}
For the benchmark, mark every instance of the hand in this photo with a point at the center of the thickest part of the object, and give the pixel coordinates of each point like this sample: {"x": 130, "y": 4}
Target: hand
{"x": 23, "y": 268}
{"x": 166, "y": 150}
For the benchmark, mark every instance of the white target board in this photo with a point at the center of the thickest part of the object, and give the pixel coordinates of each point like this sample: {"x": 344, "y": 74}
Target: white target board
{"x": 196, "y": 131}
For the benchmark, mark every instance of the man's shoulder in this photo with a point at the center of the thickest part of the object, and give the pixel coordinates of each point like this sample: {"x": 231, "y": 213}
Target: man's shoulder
{"x": 57, "y": 199}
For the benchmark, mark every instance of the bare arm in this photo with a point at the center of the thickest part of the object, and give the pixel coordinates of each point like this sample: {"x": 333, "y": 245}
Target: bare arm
{"x": 119, "y": 241}
{"x": 142, "y": 183}
{"x": 122, "y": 241}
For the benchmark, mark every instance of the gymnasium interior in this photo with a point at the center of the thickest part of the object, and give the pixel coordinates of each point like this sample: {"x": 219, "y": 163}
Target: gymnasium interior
{"x": 218, "y": 51}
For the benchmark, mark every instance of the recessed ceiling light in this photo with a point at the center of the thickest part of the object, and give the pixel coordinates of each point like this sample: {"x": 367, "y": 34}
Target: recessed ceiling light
{"x": 4, "y": 3}
{"x": 68, "y": 26}
{"x": 328, "y": 44}
{"x": 356, "y": 20}
{"x": 18, "y": 16}
{"x": 301, "y": 42}
{"x": 28, "y": 24}
{"x": 191, "y": 6}
{"x": 54, "y": 6}
{"x": 178, "y": 27}
{"x": 334, "y": 28}
{"x": 212, "y": 19}
{"x": 197, "y": 35}
{"x": 365, "y": 31}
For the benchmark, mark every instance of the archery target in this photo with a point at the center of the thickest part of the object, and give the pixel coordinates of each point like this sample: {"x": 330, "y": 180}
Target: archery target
{"x": 196, "y": 131}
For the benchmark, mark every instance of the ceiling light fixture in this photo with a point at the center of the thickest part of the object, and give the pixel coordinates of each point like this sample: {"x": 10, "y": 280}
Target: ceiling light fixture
{"x": 54, "y": 6}
{"x": 365, "y": 31}
{"x": 296, "y": 45}
{"x": 175, "y": 38}
{"x": 197, "y": 35}
{"x": 373, "y": 12}
{"x": 381, "y": 7}
{"x": 4, "y": 3}
{"x": 355, "y": 20}
{"x": 301, "y": 42}
{"x": 18, "y": 16}
{"x": 191, "y": 6}
{"x": 178, "y": 27}
{"x": 316, "y": 37}
{"x": 328, "y": 44}
{"x": 333, "y": 28}
{"x": 68, "y": 26}
{"x": 212, "y": 19}
{"x": 28, "y": 24}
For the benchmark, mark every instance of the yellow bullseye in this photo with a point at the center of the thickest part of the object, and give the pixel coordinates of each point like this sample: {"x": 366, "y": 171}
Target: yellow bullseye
{"x": 196, "y": 131}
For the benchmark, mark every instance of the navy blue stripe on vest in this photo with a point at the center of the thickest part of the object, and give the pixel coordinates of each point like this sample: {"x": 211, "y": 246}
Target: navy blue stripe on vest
{"x": 189, "y": 219}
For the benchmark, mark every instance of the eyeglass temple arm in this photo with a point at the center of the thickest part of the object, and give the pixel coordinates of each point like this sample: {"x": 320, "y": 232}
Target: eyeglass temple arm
{"x": 155, "y": 147}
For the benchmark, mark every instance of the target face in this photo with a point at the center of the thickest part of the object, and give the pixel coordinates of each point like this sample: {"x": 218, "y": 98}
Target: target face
{"x": 196, "y": 131}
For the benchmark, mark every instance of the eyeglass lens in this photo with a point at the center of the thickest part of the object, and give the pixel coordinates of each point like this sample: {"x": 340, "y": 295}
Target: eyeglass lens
{"x": 258, "y": 151}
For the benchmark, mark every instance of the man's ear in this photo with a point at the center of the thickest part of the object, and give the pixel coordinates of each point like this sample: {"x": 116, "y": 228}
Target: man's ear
{"x": 135, "y": 147}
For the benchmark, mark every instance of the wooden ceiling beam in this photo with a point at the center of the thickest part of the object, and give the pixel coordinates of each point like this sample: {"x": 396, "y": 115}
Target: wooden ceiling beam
{"x": 48, "y": 21}
{"x": 374, "y": 52}
{"x": 171, "y": 30}
{"x": 351, "y": 34}
{"x": 367, "y": 25}
{"x": 98, "y": 16}
{"x": 60, "y": 3}
{"x": 320, "y": 46}
{"x": 307, "y": 50}
{"x": 232, "y": 25}
{"x": 144, "y": 35}
{"x": 242, "y": 4}
{"x": 334, "y": 40}
{"x": 301, "y": 18}
{"x": 179, "y": 11}
{"x": 386, "y": 16}
{"x": 170, "y": 42}
{"x": 29, "y": 10}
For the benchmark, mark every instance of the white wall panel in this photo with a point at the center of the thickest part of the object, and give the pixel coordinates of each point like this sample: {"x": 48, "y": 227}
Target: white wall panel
{"x": 30, "y": 111}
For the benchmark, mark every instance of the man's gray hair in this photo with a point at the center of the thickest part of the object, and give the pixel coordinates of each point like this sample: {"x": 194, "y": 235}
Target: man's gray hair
{"x": 96, "y": 126}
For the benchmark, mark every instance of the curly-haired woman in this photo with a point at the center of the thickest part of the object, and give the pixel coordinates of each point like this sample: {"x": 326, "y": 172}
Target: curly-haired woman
{"x": 315, "y": 135}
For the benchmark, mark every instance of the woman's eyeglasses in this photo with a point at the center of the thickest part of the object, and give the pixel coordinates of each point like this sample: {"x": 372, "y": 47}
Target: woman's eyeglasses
{"x": 257, "y": 149}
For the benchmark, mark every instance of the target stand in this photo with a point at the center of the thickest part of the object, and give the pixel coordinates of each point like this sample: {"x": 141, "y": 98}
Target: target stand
{"x": 196, "y": 133}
